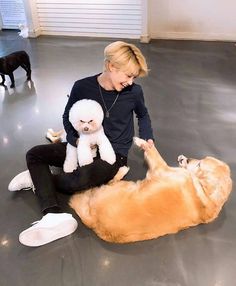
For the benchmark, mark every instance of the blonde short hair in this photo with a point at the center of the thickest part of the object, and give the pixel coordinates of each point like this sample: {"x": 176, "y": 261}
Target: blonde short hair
{"x": 126, "y": 57}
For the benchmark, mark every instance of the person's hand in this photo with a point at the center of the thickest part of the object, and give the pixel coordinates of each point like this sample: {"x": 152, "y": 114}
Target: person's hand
{"x": 147, "y": 144}
{"x": 150, "y": 143}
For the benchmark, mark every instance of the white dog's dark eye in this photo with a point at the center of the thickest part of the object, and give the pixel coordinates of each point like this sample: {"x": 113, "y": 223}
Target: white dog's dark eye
{"x": 82, "y": 121}
{"x": 90, "y": 121}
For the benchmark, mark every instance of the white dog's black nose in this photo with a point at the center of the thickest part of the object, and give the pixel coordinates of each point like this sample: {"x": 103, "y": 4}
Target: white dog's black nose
{"x": 86, "y": 129}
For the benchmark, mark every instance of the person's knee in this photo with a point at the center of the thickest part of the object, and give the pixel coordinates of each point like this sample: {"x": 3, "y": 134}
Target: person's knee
{"x": 32, "y": 154}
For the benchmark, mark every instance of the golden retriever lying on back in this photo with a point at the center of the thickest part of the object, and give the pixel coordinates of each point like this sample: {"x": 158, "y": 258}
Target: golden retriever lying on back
{"x": 167, "y": 200}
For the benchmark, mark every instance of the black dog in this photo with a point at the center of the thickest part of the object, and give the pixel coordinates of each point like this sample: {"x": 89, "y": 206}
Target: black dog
{"x": 10, "y": 63}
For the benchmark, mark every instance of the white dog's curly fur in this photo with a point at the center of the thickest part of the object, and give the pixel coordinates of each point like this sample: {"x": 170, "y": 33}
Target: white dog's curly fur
{"x": 86, "y": 117}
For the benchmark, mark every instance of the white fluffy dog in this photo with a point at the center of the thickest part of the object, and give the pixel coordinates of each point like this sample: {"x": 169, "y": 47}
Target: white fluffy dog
{"x": 86, "y": 117}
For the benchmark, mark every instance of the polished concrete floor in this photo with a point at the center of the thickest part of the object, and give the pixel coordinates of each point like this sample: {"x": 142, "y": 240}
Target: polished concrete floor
{"x": 191, "y": 95}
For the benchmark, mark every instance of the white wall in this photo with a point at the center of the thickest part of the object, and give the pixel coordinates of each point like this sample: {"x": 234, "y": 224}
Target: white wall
{"x": 92, "y": 18}
{"x": 193, "y": 19}
{"x": 144, "y": 19}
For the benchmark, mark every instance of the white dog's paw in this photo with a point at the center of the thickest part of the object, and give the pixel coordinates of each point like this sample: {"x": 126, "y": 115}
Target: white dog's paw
{"x": 106, "y": 152}
{"x": 85, "y": 161}
{"x": 68, "y": 167}
{"x": 111, "y": 159}
{"x": 139, "y": 142}
{"x": 84, "y": 154}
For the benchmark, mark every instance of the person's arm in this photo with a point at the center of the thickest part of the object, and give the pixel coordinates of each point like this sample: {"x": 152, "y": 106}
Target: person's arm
{"x": 71, "y": 134}
{"x": 144, "y": 122}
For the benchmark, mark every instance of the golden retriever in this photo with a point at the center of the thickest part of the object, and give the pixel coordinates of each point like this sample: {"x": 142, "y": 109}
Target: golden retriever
{"x": 169, "y": 199}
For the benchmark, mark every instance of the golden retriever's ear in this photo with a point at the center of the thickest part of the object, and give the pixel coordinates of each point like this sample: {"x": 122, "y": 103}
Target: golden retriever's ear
{"x": 206, "y": 180}
{"x": 216, "y": 182}
{"x": 226, "y": 169}
{"x": 206, "y": 184}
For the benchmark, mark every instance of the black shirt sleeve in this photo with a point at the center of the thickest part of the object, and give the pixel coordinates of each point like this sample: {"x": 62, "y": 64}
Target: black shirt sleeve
{"x": 144, "y": 122}
{"x": 71, "y": 133}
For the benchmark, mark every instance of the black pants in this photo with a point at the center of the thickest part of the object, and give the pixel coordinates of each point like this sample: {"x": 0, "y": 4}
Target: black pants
{"x": 41, "y": 157}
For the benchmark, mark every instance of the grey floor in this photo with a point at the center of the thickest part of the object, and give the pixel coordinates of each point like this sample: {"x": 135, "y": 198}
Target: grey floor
{"x": 191, "y": 95}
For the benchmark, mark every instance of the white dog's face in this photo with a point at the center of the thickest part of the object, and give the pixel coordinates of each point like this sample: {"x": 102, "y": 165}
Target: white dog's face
{"x": 86, "y": 116}
{"x": 87, "y": 126}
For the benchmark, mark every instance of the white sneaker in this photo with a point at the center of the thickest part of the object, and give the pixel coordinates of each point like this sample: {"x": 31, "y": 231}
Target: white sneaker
{"x": 22, "y": 181}
{"x": 51, "y": 227}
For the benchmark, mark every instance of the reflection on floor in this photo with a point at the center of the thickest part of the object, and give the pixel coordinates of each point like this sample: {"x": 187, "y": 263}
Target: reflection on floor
{"x": 190, "y": 93}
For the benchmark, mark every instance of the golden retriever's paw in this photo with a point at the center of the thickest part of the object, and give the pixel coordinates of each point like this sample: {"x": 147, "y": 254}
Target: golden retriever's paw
{"x": 123, "y": 171}
{"x": 140, "y": 142}
{"x": 120, "y": 174}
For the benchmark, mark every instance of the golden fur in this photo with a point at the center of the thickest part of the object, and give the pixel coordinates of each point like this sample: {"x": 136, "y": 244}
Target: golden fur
{"x": 167, "y": 200}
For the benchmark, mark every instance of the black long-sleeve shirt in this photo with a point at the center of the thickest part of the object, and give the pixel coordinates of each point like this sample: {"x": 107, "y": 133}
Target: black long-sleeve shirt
{"x": 119, "y": 127}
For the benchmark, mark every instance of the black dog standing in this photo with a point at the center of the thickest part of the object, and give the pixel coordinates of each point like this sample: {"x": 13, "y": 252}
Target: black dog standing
{"x": 10, "y": 63}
